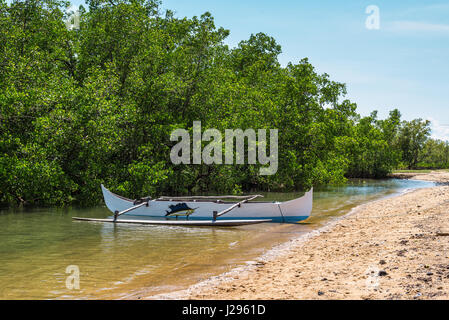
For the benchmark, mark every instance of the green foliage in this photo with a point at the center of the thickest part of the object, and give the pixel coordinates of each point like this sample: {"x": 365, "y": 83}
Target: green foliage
{"x": 411, "y": 139}
{"x": 373, "y": 153}
{"x": 97, "y": 105}
{"x": 434, "y": 154}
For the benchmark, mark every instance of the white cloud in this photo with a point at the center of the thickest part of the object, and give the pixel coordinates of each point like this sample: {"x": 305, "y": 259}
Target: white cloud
{"x": 438, "y": 8}
{"x": 439, "y": 131}
{"x": 419, "y": 26}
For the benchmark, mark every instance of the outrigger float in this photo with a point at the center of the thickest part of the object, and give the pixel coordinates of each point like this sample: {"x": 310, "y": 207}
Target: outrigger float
{"x": 205, "y": 210}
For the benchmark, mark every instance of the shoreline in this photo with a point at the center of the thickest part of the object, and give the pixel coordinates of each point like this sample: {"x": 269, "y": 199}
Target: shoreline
{"x": 311, "y": 266}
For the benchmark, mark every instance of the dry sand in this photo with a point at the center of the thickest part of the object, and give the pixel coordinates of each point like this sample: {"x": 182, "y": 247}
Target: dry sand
{"x": 395, "y": 248}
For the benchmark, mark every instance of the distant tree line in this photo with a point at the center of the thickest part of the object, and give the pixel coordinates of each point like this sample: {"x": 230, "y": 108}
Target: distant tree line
{"x": 96, "y": 104}
{"x": 434, "y": 154}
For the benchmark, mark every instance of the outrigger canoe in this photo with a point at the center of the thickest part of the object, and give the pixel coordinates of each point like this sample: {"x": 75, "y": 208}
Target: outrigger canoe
{"x": 191, "y": 210}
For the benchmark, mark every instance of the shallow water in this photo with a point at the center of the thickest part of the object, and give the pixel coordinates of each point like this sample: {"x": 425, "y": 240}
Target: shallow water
{"x": 128, "y": 261}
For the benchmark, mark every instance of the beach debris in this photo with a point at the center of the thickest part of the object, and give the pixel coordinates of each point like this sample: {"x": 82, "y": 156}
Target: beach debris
{"x": 444, "y": 233}
{"x": 320, "y": 293}
{"x": 233, "y": 244}
{"x": 424, "y": 279}
{"x": 382, "y": 273}
{"x": 256, "y": 263}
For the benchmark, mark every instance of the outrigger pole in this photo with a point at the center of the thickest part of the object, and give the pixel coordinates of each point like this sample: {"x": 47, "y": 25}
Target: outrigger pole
{"x": 217, "y": 214}
{"x": 144, "y": 203}
{"x": 204, "y": 197}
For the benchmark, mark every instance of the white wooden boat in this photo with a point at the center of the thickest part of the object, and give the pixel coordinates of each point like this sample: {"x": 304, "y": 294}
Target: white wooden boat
{"x": 211, "y": 209}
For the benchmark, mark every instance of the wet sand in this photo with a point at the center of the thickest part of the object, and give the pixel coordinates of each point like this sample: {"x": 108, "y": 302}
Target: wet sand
{"x": 436, "y": 176}
{"x": 395, "y": 248}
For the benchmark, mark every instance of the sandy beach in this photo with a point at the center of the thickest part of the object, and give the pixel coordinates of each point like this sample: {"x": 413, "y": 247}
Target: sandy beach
{"x": 394, "y": 248}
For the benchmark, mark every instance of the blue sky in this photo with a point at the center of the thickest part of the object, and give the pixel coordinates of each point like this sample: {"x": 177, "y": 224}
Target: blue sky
{"x": 404, "y": 64}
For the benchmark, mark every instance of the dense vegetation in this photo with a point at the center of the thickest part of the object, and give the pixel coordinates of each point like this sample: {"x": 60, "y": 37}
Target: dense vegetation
{"x": 96, "y": 104}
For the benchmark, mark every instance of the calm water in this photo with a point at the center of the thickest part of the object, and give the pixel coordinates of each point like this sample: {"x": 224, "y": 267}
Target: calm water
{"x": 127, "y": 261}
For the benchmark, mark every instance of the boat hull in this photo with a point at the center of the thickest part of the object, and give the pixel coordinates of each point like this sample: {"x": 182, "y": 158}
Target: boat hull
{"x": 281, "y": 212}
